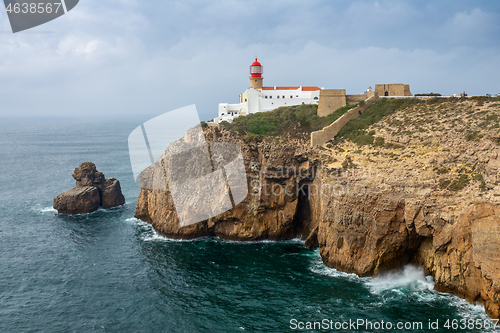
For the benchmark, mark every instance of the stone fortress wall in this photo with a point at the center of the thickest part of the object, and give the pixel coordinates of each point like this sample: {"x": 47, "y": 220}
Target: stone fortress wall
{"x": 395, "y": 89}
{"x": 333, "y": 99}
{"x": 321, "y": 137}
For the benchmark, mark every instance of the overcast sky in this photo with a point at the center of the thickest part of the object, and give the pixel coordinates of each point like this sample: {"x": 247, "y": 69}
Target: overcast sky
{"x": 148, "y": 57}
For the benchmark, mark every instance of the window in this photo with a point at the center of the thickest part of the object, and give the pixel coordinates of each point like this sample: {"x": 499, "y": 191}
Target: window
{"x": 270, "y": 97}
{"x": 291, "y": 96}
{"x": 265, "y": 97}
{"x": 297, "y": 96}
{"x": 277, "y": 97}
{"x": 245, "y": 99}
{"x": 283, "y": 96}
{"x": 316, "y": 98}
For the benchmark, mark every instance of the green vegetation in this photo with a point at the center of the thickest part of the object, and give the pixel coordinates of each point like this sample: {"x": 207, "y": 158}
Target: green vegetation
{"x": 379, "y": 142}
{"x": 442, "y": 171}
{"x": 355, "y": 130}
{"x": 348, "y": 163}
{"x": 479, "y": 177}
{"x": 473, "y": 136}
{"x": 429, "y": 94}
{"x": 484, "y": 99}
{"x": 456, "y": 184}
{"x": 302, "y": 118}
{"x": 490, "y": 122}
{"x": 393, "y": 145}
{"x": 437, "y": 100}
{"x": 461, "y": 181}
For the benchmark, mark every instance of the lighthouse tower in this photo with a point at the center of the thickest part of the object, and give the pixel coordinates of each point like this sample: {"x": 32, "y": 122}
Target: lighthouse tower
{"x": 256, "y": 71}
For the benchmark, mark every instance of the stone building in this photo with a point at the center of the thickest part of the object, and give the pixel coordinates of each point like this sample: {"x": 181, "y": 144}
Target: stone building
{"x": 394, "y": 89}
{"x": 258, "y": 98}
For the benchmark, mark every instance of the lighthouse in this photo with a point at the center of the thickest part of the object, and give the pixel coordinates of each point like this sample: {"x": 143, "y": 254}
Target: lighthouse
{"x": 258, "y": 98}
{"x": 256, "y": 71}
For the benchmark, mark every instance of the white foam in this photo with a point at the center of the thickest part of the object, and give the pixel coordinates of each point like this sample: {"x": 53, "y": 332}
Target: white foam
{"x": 48, "y": 210}
{"x": 154, "y": 236}
{"x": 150, "y": 233}
{"x": 468, "y": 310}
{"x": 410, "y": 276}
{"x": 263, "y": 241}
{"x": 318, "y": 267}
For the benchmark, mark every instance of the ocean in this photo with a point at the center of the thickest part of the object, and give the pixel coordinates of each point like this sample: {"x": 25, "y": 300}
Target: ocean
{"x": 109, "y": 272}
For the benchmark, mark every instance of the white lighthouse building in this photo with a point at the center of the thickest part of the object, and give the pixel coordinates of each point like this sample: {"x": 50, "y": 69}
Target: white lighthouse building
{"x": 258, "y": 98}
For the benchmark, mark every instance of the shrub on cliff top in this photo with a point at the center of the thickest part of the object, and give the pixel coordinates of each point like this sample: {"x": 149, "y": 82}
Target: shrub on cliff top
{"x": 456, "y": 184}
{"x": 373, "y": 114}
{"x": 428, "y": 94}
{"x": 379, "y": 142}
{"x": 302, "y": 118}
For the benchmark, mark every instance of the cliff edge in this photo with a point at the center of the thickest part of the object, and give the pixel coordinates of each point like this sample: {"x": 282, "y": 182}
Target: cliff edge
{"x": 408, "y": 182}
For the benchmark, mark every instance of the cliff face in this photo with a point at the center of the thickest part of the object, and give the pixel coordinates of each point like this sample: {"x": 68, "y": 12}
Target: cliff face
{"x": 365, "y": 234}
{"x": 276, "y": 207}
{"x": 427, "y": 191}
{"x": 463, "y": 257}
{"x": 374, "y": 232}
{"x": 428, "y": 196}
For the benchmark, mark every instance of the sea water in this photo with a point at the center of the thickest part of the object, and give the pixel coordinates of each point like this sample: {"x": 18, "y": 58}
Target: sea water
{"x": 109, "y": 272}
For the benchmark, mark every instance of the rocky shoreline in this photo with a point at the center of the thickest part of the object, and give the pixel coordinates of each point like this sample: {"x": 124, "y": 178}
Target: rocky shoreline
{"x": 371, "y": 209}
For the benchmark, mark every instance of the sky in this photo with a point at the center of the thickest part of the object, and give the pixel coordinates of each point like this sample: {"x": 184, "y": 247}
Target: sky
{"x": 128, "y": 57}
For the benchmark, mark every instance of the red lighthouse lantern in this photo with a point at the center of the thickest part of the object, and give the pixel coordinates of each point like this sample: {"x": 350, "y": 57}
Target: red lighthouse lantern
{"x": 256, "y": 71}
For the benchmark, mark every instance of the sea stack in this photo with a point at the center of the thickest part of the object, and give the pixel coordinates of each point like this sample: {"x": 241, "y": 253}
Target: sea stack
{"x": 92, "y": 191}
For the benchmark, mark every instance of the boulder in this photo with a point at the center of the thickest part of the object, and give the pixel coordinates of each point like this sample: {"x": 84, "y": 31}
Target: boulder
{"x": 92, "y": 191}
{"x": 87, "y": 175}
{"x": 79, "y": 200}
{"x": 112, "y": 194}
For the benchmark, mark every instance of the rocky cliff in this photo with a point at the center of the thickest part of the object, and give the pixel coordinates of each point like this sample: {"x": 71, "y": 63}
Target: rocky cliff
{"x": 426, "y": 191}
{"x": 268, "y": 211}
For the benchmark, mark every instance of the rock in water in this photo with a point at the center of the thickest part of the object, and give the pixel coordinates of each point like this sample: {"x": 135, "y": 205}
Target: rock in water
{"x": 79, "y": 200}
{"x": 92, "y": 191}
{"x": 112, "y": 194}
{"x": 87, "y": 175}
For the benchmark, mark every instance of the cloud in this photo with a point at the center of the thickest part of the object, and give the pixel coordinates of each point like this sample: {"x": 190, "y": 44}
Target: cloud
{"x": 130, "y": 57}
{"x": 474, "y": 27}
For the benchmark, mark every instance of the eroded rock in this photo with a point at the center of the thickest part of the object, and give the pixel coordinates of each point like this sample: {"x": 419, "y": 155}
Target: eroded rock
{"x": 79, "y": 200}
{"x": 112, "y": 194}
{"x": 268, "y": 211}
{"x": 91, "y": 192}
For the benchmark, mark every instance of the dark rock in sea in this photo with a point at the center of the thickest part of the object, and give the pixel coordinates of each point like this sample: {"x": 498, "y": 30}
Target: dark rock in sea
{"x": 92, "y": 191}
{"x": 87, "y": 175}
{"x": 112, "y": 194}
{"x": 79, "y": 200}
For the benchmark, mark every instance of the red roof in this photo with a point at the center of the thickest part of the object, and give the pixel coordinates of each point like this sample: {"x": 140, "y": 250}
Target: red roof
{"x": 292, "y": 88}
{"x": 311, "y": 88}
{"x": 256, "y": 63}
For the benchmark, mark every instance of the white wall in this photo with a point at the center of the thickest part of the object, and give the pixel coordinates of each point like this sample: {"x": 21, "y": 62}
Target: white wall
{"x": 257, "y": 102}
